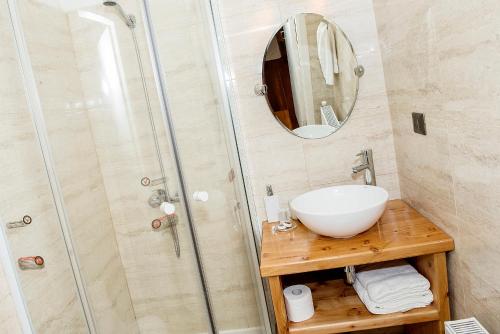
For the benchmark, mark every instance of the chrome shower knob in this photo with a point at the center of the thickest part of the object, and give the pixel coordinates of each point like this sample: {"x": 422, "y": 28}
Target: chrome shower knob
{"x": 157, "y": 197}
{"x": 168, "y": 208}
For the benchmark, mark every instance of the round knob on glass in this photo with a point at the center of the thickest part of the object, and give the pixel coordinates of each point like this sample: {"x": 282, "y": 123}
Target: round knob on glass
{"x": 200, "y": 196}
{"x": 168, "y": 208}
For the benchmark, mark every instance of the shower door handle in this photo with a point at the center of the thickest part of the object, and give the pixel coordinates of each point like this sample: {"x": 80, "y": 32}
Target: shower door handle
{"x": 200, "y": 196}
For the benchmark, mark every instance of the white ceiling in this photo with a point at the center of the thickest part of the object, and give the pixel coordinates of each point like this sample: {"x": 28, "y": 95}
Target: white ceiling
{"x": 70, "y": 5}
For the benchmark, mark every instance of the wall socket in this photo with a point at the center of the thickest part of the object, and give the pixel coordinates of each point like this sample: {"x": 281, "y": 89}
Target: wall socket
{"x": 419, "y": 123}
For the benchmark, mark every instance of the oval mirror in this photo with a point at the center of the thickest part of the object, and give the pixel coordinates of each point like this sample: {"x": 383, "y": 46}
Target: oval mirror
{"x": 310, "y": 76}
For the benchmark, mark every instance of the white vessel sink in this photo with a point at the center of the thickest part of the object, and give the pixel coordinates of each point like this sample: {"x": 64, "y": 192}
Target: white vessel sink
{"x": 342, "y": 211}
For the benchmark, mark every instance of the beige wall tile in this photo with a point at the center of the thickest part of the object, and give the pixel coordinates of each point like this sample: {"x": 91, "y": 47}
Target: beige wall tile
{"x": 436, "y": 64}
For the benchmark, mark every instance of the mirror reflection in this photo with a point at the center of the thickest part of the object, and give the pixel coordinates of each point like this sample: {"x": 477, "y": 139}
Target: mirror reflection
{"x": 311, "y": 74}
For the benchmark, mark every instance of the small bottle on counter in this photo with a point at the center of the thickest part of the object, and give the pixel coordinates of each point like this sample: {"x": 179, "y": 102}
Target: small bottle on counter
{"x": 272, "y": 205}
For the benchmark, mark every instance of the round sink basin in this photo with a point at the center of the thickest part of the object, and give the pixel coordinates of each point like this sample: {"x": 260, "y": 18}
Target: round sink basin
{"x": 341, "y": 211}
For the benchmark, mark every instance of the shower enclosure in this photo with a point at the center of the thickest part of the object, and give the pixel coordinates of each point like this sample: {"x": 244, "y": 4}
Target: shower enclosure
{"x": 122, "y": 202}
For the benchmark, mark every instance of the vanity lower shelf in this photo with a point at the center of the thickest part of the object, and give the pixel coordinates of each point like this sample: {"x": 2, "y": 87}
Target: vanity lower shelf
{"x": 338, "y": 309}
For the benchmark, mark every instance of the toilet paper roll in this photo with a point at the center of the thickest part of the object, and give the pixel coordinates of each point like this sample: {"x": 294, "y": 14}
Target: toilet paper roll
{"x": 298, "y": 302}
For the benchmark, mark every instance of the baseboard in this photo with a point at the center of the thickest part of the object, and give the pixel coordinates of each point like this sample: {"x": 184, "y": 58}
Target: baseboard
{"x": 251, "y": 330}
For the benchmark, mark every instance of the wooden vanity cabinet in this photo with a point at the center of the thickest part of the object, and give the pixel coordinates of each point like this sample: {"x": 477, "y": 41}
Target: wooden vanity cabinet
{"x": 401, "y": 233}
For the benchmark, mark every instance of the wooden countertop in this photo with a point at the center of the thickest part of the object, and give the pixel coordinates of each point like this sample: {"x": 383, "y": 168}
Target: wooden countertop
{"x": 401, "y": 232}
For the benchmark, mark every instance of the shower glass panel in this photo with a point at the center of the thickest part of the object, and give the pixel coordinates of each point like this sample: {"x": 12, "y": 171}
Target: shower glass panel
{"x": 188, "y": 58}
{"x": 25, "y": 191}
{"x": 99, "y": 124}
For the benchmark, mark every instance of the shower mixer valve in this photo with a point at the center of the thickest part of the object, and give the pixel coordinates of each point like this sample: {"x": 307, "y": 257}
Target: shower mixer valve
{"x": 157, "y": 198}
{"x": 159, "y": 195}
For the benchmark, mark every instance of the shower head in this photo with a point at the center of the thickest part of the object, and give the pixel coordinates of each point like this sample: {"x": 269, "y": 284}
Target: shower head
{"x": 129, "y": 19}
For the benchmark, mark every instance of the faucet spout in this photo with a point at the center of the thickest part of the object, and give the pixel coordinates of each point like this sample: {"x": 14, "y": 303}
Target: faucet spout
{"x": 360, "y": 168}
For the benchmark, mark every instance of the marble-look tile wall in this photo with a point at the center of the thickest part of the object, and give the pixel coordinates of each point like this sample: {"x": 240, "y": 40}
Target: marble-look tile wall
{"x": 441, "y": 58}
{"x": 51, "y": 50}
{"x": 293, "y": 165}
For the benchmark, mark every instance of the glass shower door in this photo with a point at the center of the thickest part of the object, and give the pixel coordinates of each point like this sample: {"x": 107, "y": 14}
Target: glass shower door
{"x": 113, "y": 166}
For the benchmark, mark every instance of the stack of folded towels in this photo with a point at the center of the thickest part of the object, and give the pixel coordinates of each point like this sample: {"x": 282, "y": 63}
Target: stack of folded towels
{"x": 392, "y": 287}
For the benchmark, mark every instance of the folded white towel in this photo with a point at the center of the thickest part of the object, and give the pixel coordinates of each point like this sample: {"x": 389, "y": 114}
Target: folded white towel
{"x": 403, "y": 305}
{"x": 379, "y": 272}
{"x": 392, "y": 287}
{"x": 393, "y": 280}
{"x": 398, "y": 287}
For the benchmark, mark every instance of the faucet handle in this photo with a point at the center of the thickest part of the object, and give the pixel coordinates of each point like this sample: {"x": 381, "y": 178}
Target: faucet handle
{"x": 200, "y": 196}
{"x": 168, "y": 208}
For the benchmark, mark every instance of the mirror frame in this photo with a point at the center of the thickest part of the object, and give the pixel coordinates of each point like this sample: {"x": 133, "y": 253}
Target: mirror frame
{"x": 359, "y": 71}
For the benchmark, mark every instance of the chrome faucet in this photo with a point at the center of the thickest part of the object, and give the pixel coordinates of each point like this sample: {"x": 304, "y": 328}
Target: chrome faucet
{"x": 367, "y": 157}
